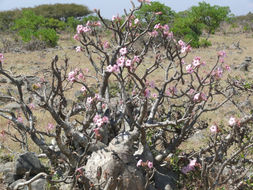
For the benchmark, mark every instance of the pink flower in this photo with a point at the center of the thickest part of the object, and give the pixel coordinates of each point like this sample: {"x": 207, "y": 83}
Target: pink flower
{"x": 232, "y": 121}
{"x": 86, "y": 29}
{"x": 78, "y": 49}
{"x": 157, "y": 26}
{"x": 203, "y": 96}
{"x": 159, "y": 13}
{"x": 196, "y": 62}
{"x": 99, "y": 122}
{"x": 147, "y": 93}
{"x": 89, "y": 100}
{"x": 2, "y": 134}
{"x": 189, "y": 69}
{"x": 31, "y": 106}
{"x": 96, "y": 117}
{"x": 105, "y": 119}
{"x": 96, "y": 131}
{"x": 50, "y": 126}
{"x": 150, "y": 164}
{"x": 214, "y": 129}
{"x": 109, "y": 68}
{"x": 71, "y": 76}
{"x": 136, "y": 21}
{"x": 1, "y": 57}
{"x": 166, "y": 28}
{"x": 139, "y": 163}
{"x": 114, "y": 18}
{"x": 196, "y": 97}
{"x": 106, "y": 45}
{"x": 154, "y": 33}
{"x": 83, "y": 89}
{"x": 76, "y": 37}
{"x": 79, "y": 29}
{"x": 136, "y": 59}
{"x": 123, "y": 51}
{"x": 120, "y": 61}
{"x": 80, "y": 76}
{"x": 116, "y": 68}
{"x": 20, "y": 119}
{"x": 128, "y": 63}
{"x": 191, "y": 91}
{"x": 227, "y": 67}
{"x": 192, "y": 163}
{"x": 181, "y": 43}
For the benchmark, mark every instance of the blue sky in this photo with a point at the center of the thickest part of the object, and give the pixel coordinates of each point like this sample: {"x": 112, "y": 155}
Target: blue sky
{"x": 113, "y": 7}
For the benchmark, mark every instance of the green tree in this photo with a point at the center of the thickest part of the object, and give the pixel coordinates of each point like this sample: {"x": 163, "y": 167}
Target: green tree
{"x": 61, "y": 11}
{"x": 156, "y": 10}
{"x": 210, "y": 16}
{"x": 31, "y": 26}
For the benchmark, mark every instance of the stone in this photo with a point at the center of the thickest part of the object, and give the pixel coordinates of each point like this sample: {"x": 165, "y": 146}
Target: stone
{"x": 39, "y": 184}
{"x": 117, "y": 161}
{"x": 28, "y": 162}
{"x": 9, "y": 177}
{"x": 163, "y": 181}
{"x": 17, "y": 182}
{"x": 159, "y": 157}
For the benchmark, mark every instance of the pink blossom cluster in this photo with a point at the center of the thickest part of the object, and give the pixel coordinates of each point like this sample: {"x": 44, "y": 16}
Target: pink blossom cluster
{"x": 148, "y": 163}
{"x": 171, "y": 91}
{"x": 200, "y": 97}
{"x": 75, "y": 75}
{"x": 165, "y": 29}
{"x": 116, "y": 18}
{"x": 196, "y": 63}
{"x": 95, "y": 23}
{"x": 221, "y": 55}
{"x": 99, "y": 121}
{"x": 82, "y": 29}
{"x": 122, "y": 62}
{"x": 184, "y": 47}
{"x": 90, "y": 100}
{"x": 217, "y": 73}
{"x": 189, "y": 167}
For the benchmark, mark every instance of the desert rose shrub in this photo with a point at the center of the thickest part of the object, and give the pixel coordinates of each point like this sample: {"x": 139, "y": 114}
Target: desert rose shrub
{"x": 128, "y": 111}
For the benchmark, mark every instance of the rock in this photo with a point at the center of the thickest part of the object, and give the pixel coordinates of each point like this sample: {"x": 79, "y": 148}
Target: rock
{"x": 166, "y": 182}
{"x": 17, "y": 182}
{"x": 159, "y": 157}
{"x": 117, "y": 161}
{"x": 40, "y": 184}
{"x": 9, "y": 177}
{"x": 28, "y": 162}
{"x": 7, "y": 167}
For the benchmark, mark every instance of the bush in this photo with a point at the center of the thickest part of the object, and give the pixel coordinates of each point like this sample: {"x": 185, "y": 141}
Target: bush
{"x": 204, "y": 43}
{"x": 72, "y": 23}
{"x": 31, "y": 26}
{"x": 132, "y": 114}
{"x": 61, "y": 11}
{"x": 162, "y": 14}
{"x": 7, "y": 19}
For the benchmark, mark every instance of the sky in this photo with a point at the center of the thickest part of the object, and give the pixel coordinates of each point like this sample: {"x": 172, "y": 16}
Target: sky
{"x": 114, "y": 7}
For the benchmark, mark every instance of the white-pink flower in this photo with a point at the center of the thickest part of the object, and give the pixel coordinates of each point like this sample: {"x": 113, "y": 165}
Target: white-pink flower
{"x": 136, "y": 21}
{"x": 128, "y": 63}
{"x": 79, "y": 29}
{"x": 78, "y": 49}
{"x": 150, "y": 164}
{"x": 20, "y": 119}
{"x": 109, "y": 68}
{"x": 139, "y": 163}
{"x": 214, "y": 129}
{"x": 50, "y": 126}
{"x": 83, "y": 89}
{"x": 232, "y": 121}
{"x": 76, "y": 37}
{"x": 196, "y": 97}
{"x": 89, "y": 100}
{"x": 105, "y": 119}
{"x": 123, "y": 51}
{"x": 106, "y": 45}
{"x": 189, "y": 68}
